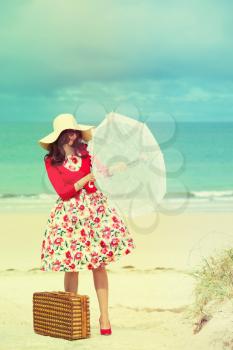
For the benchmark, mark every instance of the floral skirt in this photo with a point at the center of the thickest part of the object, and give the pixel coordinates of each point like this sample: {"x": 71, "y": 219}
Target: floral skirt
{"x": 84, "y": 233}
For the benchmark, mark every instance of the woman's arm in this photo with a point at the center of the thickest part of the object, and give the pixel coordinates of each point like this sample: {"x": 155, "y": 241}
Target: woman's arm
{"x": 102, "y": 168}
{"x": 82, "y": 182}
{"x": 64, "y": 190}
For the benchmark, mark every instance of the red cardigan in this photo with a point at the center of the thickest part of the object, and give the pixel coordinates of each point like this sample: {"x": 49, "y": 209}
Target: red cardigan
{"x": 63, "y": 179}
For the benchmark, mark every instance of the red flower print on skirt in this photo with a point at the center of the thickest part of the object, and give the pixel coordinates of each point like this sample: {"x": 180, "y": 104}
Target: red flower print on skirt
{"x": 84, "y": 233}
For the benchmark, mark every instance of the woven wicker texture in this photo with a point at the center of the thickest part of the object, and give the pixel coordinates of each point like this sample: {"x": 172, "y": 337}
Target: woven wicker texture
{"x": 61, "y": 314}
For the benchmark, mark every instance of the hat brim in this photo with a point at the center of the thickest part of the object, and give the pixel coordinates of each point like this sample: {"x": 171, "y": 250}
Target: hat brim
{"x": 50, "y": 138}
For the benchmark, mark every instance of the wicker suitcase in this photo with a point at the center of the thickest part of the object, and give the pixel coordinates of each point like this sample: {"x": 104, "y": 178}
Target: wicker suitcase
{"x": 61, "y": 314}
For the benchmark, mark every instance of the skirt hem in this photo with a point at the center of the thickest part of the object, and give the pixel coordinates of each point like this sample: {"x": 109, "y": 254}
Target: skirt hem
{"x": 107, "y": 263}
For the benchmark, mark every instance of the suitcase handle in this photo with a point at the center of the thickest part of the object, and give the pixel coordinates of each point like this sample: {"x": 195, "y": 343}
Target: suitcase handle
{"x": 63, "y": 293}
{"x": 67, "y": 293}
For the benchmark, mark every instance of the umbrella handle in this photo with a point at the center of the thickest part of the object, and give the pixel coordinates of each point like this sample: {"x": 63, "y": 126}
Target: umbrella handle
{"x": 118, "y": 167}
{"x": 109, "y": 171}
{"x": 141, "y": 157}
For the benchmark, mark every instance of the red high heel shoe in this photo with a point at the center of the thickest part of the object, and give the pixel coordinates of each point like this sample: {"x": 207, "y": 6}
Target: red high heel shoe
{"x": 105, "y": 331}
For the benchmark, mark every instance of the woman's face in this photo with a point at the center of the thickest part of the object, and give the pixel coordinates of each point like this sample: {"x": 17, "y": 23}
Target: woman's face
{"x": 72, "y": 136}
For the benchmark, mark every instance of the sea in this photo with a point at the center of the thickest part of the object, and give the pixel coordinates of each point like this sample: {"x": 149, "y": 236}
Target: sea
{"x": 198, "y": 158}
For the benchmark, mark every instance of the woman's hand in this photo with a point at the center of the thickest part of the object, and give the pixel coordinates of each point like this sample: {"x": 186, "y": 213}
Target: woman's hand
{"x": 80, "y": 183}
{"x": 90, "y": 177}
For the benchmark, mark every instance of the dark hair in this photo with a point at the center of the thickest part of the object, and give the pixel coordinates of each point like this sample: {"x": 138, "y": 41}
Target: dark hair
{"x": 56, "y": 150}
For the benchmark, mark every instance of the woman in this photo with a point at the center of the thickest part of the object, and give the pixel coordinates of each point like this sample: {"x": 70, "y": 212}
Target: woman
{"x": 82, "y": 231}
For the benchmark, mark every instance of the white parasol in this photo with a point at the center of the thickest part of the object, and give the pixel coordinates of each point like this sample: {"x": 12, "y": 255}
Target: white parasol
{"x": 128, "y": 164}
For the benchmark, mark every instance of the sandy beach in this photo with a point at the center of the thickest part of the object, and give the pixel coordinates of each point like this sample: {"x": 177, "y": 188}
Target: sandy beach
{"x": 150, "y": 289}
{"x": 147, "y": 87}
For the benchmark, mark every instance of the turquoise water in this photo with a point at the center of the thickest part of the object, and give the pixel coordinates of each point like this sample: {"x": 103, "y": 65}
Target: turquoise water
{"x": 201, "y": 154}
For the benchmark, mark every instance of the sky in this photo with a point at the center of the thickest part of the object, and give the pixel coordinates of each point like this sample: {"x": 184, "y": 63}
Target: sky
{"x": 154, "y": 58}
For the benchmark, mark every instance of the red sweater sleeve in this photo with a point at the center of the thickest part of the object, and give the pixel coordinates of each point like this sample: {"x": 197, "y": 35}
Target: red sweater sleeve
{"x": 65, "y": 191}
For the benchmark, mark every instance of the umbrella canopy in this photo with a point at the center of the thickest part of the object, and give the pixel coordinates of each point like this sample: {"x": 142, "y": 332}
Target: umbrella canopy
{"x": 128, "y": 164}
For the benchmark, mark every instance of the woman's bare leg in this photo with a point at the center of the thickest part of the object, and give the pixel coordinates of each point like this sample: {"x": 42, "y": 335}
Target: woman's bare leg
{"x": 71, "y": 282}
{"x": 100, "y": 278}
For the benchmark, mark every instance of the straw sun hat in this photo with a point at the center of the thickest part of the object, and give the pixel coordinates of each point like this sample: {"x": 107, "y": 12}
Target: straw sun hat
{"x": 62, "y": 122}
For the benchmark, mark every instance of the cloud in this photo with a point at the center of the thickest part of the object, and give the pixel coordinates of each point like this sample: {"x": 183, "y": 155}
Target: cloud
{"x": 195, "y": 94}
{"x": 155, "y": 53}
{"x": 48, "y": 47}
{"x": 147, "y": 97}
